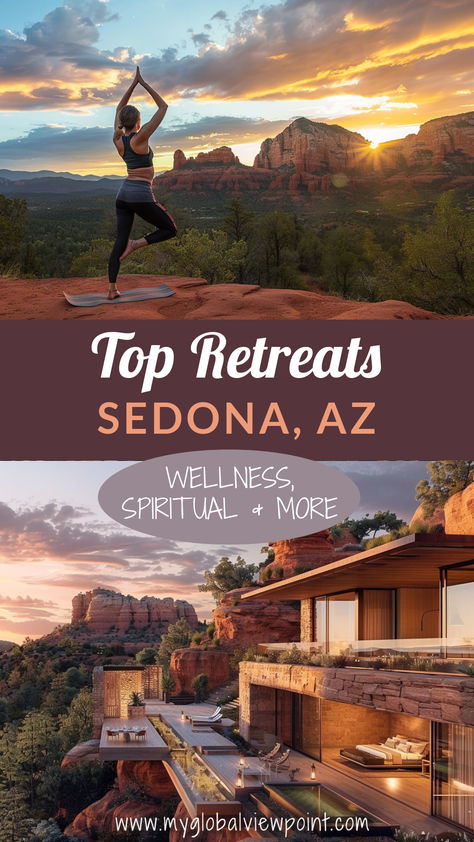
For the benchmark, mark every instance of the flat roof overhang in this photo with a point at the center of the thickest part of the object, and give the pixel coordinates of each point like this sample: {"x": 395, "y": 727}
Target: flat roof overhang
{"x": 413, "y": 561}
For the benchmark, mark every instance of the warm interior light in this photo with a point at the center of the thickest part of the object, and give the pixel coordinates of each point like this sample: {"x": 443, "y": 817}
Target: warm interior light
{"x": 182, "y": 716}
{"x": 313, "y": 772}
{"x": 242, "y": 760}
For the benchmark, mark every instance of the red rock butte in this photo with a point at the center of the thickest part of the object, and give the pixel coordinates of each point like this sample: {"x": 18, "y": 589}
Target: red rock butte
{"x": 104, "y": 611}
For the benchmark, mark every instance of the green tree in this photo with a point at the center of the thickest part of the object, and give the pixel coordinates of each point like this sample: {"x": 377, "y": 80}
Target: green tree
{"x": 228, "y": 575}
{"x": 440, "y": 258}
{"x": 147, "y": 656}
{"x": 345, "y": 254}
{"x": 360, "y": 528}
{"x": 200, "y": 686}
{"x": 238, "y": 219}
{"x": 37, "y": 747}
{"x": 178, "y": 636}
{"x": 30, "y": 263}
{"x": 12, "y": 227}
{"x": 199, "y": 254}
{"x": 445, "y": 479}
{"x": 76, "y": 724}
{"x": 15, "y": 824}
{"x": 93, "y": 261}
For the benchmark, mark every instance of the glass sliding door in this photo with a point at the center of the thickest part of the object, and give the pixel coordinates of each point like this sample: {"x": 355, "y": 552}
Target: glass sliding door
{"x": 459, "y": 617}
{"x": 298, "y": 722}
{"x": 320, "y": 622}
{"x": 453, "y": 774}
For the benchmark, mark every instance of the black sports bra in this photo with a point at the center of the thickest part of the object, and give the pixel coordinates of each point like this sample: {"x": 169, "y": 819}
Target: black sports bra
{"x": 134, "y": 160}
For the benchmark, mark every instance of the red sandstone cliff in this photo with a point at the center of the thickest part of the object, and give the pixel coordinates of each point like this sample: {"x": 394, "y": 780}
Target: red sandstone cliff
{"x": 296, "y": 555}
{"x": 459, "y": 512}
{"x": 106, "y": 611}
{"x": 242, "y": 624}
{"x": 446, "y": 139}
{"x": 186, "y": 664}
{"x": 315, "y": 148}
{"x": 139, "y": 790}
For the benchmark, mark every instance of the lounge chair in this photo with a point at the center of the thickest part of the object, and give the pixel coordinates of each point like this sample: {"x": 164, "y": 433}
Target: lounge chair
{"x": 210, "y": 719}
{"x": 280, "y": 762}
{"x": 269, "y": 755}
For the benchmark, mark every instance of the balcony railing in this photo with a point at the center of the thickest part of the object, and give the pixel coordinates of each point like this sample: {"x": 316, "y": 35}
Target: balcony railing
{"x": 419, "y": 654}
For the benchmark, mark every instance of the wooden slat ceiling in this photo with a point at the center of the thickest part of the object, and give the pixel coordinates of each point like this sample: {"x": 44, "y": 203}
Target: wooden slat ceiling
{"x": 412, "y": 561}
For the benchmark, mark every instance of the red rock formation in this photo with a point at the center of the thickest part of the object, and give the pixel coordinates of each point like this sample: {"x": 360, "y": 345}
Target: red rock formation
{"x": 195, "y": 300}
{"x": 242, "y": 624}
{"x": 98, "y": 818}
{"x": 87, "y": 752}
{"x": 316, "y": 157}
{"x": 186, "y": 664}
{"x": 230, "y": 178}
{"x": 222, "y": 155}
{"x": 179, "y": 159}
{"x": 149, "y": 776}
{"x": 459, "y": 512}
{"x": 315, "y": 148}
{"x": 225, "y": 835}
{"x": 106, "y": 611}
{"x": 422, "y": 520}
{"x": 446, "y": 138}
{"x": 299, "y": 554}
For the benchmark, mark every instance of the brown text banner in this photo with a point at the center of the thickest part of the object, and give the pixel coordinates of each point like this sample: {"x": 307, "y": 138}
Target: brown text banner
{"x": 324, "y": 390}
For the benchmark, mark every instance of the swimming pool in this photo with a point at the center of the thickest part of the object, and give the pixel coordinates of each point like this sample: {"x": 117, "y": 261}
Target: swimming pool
{"x": 303, "y": 799}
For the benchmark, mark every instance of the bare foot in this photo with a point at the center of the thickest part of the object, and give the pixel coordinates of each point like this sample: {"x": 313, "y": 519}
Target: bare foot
{"x": 131, "y": 246}
{"x": 113, "y": 293}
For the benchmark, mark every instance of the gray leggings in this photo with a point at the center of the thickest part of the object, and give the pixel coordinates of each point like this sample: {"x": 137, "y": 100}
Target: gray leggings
{"x": 151, "y": 212}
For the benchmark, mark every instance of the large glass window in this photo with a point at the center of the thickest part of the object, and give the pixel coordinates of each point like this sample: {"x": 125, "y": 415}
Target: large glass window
{"x": 459, "y": 601}
{"x": 335, "y": 621}
{"x": 342, "y": 619}
{"x": 453, "y": 774}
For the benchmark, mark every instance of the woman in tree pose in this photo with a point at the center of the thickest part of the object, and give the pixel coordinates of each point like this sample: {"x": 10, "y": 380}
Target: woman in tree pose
{"x": 135, "y": 195}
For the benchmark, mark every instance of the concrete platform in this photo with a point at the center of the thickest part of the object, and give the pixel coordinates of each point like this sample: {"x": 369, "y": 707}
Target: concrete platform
{"x": 202, "y": 738}
{"x": 151, "y": 748}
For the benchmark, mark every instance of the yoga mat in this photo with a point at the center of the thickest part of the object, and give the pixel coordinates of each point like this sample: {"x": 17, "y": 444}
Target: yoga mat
{"x": 93, "y": 299}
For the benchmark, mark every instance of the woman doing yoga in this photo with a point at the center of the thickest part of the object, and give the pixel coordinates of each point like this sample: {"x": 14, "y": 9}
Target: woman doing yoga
{"x": 135, "y": 195}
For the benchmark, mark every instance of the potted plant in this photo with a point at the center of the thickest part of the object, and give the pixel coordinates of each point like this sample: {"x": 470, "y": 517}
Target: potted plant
{"x": 200, "y": 686}
{"x": 135, "y": 706}
{"x": 167, "y": 685}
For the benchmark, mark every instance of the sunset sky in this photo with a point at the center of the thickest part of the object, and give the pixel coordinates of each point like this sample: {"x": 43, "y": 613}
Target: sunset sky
{"x": 381, "y": 67}
{"x": 55, "y": 541}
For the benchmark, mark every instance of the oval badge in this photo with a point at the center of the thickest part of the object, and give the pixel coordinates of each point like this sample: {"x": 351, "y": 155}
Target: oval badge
{"x": 229, "y": 496}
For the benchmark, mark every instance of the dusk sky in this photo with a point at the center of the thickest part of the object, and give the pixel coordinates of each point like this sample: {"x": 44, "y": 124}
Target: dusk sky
{"x": 56, "y": 541}
{"x": 235, "y": 77}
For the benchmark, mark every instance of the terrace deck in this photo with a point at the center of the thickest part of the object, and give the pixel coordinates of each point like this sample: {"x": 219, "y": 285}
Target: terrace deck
{"x": 203, "y": 739}
{"x": 151, "y": 748}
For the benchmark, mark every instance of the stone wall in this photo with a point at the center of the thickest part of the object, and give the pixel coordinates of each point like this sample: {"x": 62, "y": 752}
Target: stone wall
{"x": 306, "y": 620}
{"x": 446, "y": 698}
{"x": 97, "y": 701}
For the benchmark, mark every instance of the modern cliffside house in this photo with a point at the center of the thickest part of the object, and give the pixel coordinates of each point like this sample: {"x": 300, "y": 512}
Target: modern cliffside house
{"x": 399, "y": 716}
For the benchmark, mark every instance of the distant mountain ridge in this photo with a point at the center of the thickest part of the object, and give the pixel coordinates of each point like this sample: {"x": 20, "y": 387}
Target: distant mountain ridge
{"x": 27, "y": 175}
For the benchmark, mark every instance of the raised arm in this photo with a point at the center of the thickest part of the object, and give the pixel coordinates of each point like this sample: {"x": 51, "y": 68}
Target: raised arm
{"x": 124, "y": 101}
{"x": 148, "y": 128}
